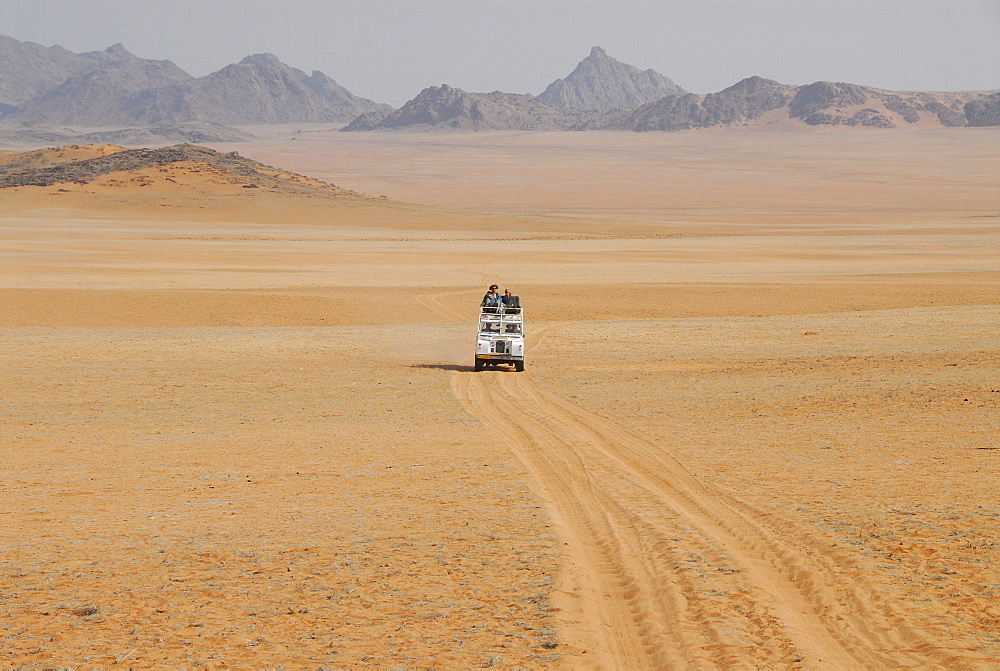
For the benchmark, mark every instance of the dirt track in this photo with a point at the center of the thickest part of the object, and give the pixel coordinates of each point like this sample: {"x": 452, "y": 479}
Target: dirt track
{"x": 646, "y": 540}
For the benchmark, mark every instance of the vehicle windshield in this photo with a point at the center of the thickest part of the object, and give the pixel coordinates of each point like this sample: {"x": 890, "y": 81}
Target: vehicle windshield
{"x": 495, "y": 326}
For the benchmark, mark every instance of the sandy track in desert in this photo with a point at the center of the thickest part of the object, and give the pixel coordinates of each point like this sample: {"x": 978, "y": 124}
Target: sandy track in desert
{"x": 756, "y": 430}
{"x": 630, "y": 514}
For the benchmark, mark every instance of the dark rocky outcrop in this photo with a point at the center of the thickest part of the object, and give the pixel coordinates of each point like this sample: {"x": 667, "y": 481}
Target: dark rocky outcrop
{"x": 830, "y": 103}
{"x": 16, "y": 174}
{"x": 819, "y": 96}
{"x": 448, "y": 108}
{"x": 984, "y": 111}
{"x": 745, "y": 100}
{"x": 600, "y": 82}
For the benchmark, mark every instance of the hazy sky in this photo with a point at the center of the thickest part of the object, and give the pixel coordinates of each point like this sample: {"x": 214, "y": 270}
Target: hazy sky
{"x": 389, "y": 50}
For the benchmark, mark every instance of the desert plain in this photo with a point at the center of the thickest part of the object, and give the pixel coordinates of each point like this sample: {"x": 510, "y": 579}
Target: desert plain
{"x": 758, "y": 426}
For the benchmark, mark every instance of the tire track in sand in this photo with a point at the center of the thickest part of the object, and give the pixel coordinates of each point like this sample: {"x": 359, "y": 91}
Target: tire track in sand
{"x": 665, "y": 571}
{"x": 445, "y": 304}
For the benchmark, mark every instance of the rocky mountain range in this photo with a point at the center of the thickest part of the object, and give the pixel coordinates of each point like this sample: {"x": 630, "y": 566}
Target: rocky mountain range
{"x": 600, "y": 82}
{"x": 605, "y": 94}
{"x": 754, "y": 101}
{"x": 114, "y": 87}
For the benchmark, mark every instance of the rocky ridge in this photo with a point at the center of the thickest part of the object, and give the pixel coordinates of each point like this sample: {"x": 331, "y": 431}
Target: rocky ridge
{"x": 746, "y": 100}
{"x": 984, "y": 111}
{"x": 114, "y": 87}
{"x": 44, "y": 167}
{"x": 22, "y": 134}
{"x": 93, "y": 96}
{"x": 29, "y": 71}
{"x": 260, "y": 89}
{"x": 759, "y": 101}
{"x": 754, "y": 101}
{"x": 448, "y": 108}
{"x": 600, "y": 82}
{"x": 605, "y": 94}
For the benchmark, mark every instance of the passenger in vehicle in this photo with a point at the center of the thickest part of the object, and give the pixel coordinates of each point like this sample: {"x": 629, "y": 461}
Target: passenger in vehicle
{"x": 492, "y": 300}
{"x": 511, "y": 303}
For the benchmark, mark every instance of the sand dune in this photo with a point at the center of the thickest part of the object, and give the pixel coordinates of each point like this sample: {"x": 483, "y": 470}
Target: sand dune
{"x": 240, "y": 427}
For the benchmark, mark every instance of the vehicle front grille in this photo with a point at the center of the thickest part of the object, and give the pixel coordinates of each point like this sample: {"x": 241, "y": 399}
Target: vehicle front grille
{"x": 500, "y": 346}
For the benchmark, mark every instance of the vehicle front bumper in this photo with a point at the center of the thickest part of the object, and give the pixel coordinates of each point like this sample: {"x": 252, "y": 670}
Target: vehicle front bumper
{"x": 499, "y": 357}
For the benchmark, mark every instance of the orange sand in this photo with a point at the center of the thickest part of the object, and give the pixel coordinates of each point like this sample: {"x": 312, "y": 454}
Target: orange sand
{"x": 757, "y": 429}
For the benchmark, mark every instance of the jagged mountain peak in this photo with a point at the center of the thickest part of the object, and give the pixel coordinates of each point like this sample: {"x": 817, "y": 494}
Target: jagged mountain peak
{"x": 118, "y": 49}
{"x": 600, "y": 82}
{"x": 262, "y": 59}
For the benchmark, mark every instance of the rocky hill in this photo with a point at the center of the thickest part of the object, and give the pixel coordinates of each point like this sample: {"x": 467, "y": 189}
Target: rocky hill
{"x": 22, "y": 134}
{"x": 746, "y": 100}
{"x": 759, "y": 101}
{"x": 260, "y": 89}
{"x": 82, "y": 165}
{"x": 600, "y": 82}
{"x": 983, "y": 111}
{"x": 93, "y": 96}
{"x": 29, "y": 71}
{"x": 115, "y": 88}
{"x": 447, "y": 108}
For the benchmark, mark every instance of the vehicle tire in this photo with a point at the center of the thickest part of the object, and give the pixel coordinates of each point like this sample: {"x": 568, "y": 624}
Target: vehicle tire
{"x": 479, "y": 365}
{"x": 519, "y": 366}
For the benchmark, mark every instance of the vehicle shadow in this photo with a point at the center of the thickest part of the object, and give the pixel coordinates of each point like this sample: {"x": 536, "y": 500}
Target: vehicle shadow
{"x": 445, "y": 366}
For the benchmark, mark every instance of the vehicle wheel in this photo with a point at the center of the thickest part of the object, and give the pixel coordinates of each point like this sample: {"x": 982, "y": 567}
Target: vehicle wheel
{"x": 519, "y": 366}
{"x": 479, "y": 364}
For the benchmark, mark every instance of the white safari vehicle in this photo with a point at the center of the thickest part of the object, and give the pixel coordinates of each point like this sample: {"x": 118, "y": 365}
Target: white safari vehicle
{"x": 501, "y": 337}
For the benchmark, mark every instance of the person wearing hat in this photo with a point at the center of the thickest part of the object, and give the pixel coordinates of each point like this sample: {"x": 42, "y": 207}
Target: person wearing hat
{"x": 491, "y": 299}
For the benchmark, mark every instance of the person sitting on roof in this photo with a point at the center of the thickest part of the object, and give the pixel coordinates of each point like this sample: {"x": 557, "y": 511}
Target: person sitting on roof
{"x": 512, "y": 304}
{"x": 492, "y": 300}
